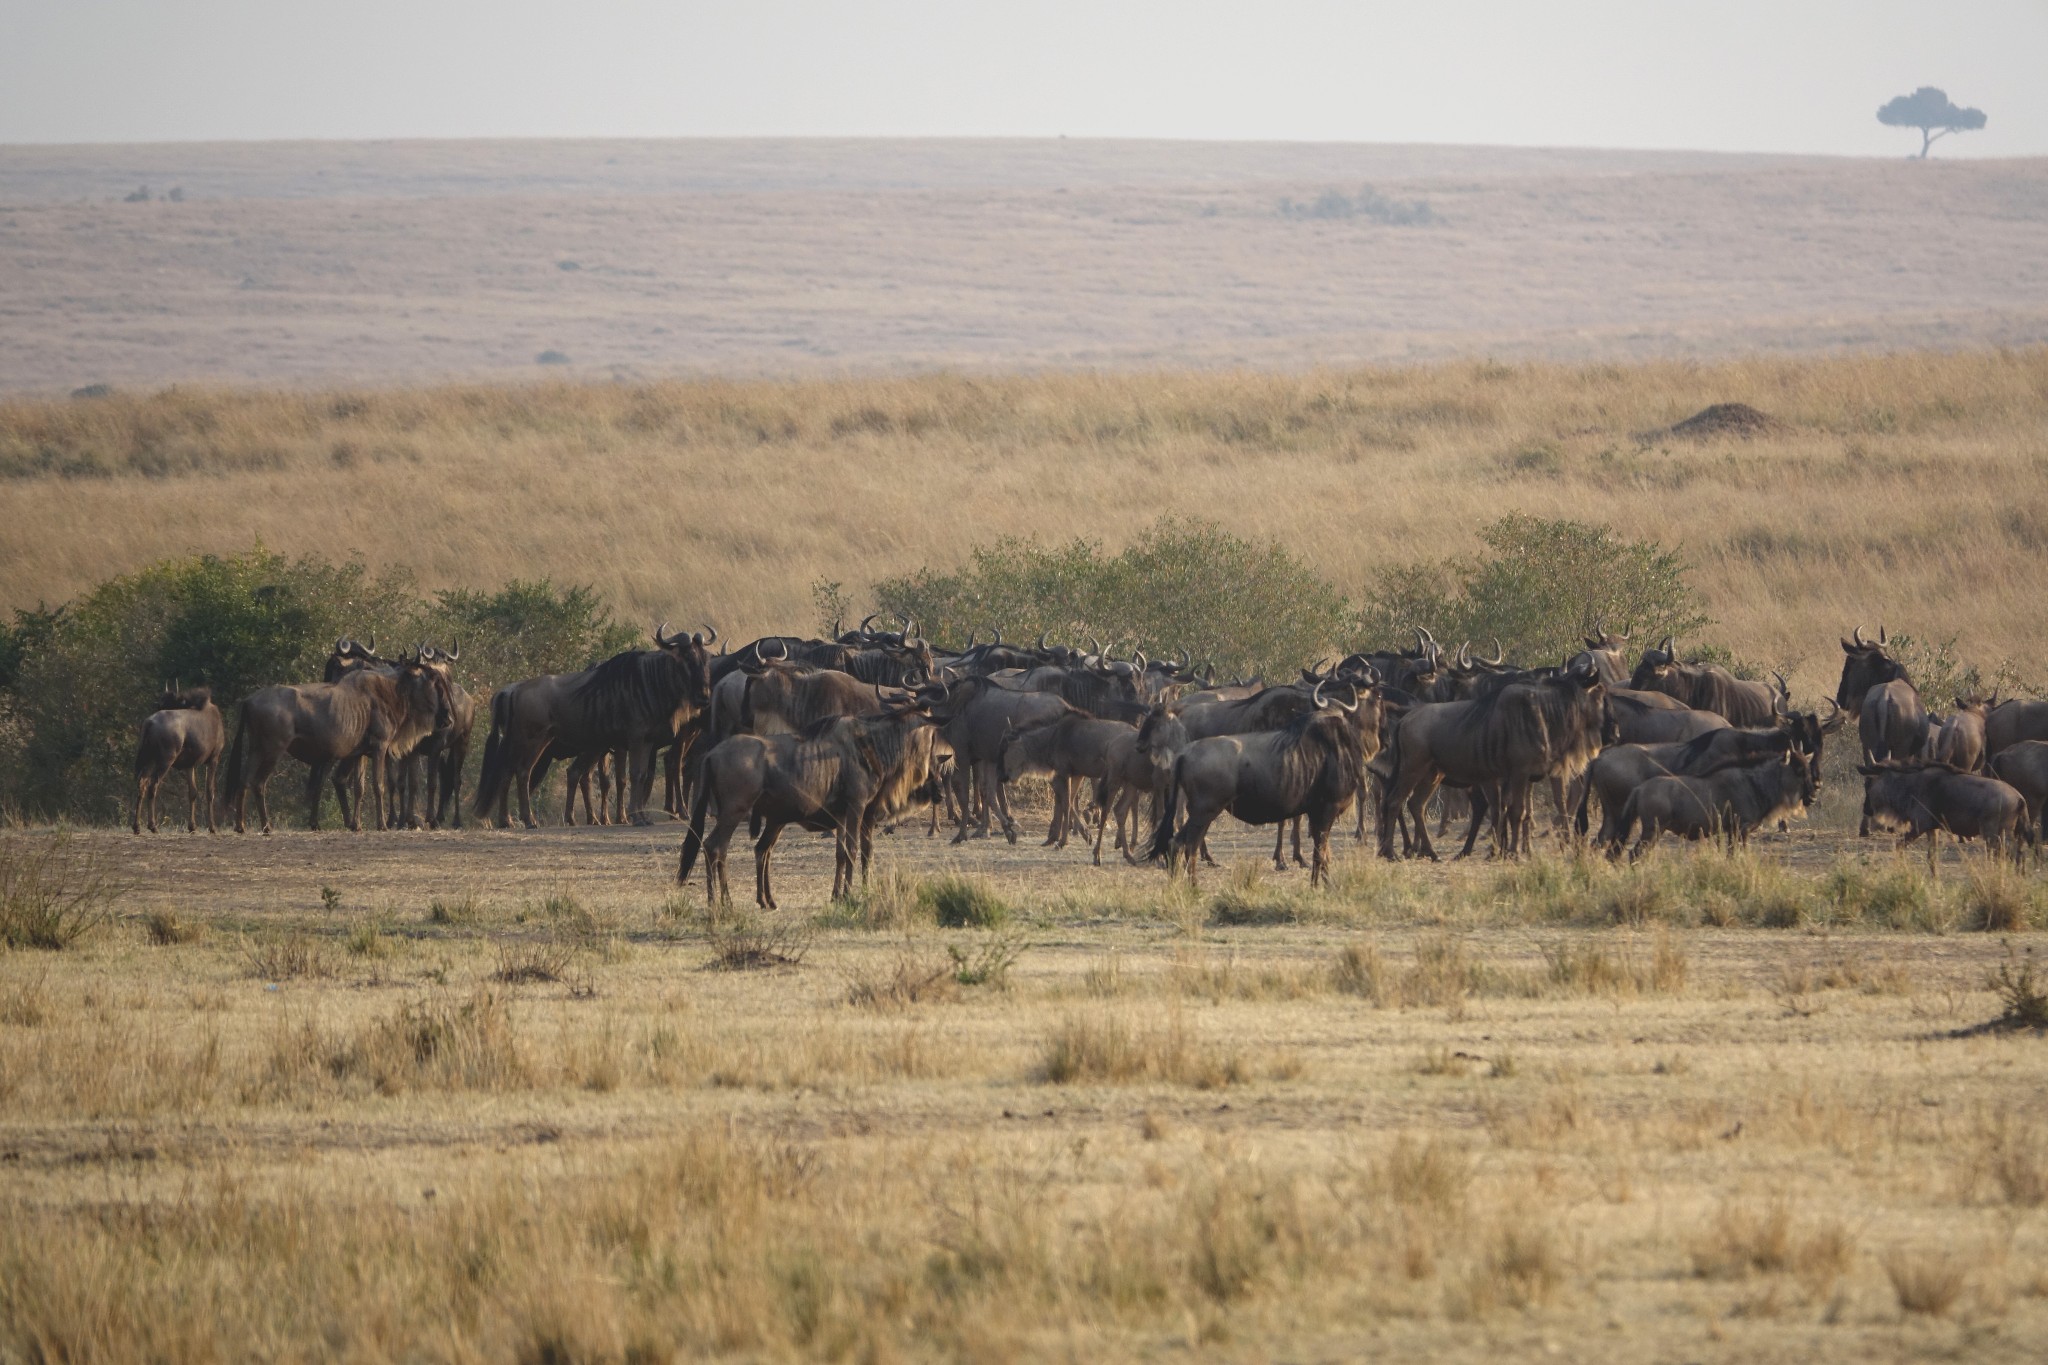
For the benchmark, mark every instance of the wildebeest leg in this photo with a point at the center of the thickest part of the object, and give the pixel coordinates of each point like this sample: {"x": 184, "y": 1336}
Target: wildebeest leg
{"x": 1319, "y": 841}
{"x": 1193, "y": 835}
{"x": 764, "y": 894}
{"x": 1297, "y": 842}
{"x": 641, "y": 765}
{"x": 672, "y": 775}
{"x": 192, "y": 800}
{"x": 316, "y": 782}
{"x": 1062, "y": 803}
{"x": 996, "y": 798}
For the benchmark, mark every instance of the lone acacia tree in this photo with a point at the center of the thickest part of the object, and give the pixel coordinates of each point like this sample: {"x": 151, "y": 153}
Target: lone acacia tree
{"x": 1928, "y": 110}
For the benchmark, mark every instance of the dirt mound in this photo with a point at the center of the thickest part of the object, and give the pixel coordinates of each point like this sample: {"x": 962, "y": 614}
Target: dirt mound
{"x": 1728, "y": 419}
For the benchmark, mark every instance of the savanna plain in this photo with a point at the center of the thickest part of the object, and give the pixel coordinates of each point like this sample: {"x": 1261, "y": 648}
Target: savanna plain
{"x": 479, "y": 1095}
{"x": 485, "y": 1095}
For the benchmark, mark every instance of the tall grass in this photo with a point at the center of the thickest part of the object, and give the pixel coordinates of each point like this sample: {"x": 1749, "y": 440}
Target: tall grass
{"x": 1894, "y": 479}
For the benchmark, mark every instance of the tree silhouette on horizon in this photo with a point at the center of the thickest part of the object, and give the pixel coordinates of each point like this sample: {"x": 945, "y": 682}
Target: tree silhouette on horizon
{"x": 1928, "y": 109}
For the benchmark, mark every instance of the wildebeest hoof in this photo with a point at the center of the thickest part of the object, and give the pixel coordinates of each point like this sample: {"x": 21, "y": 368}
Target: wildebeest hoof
{"x": 641, "y": 817}
{"x": 1011, "y": 835}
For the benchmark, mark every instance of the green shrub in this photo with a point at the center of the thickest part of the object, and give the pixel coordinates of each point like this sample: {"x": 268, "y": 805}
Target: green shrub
{"x": 964, "y": 903}
{"x": 1183, "y": 584}
{"x": 76, "y": 681}
{"x": 1541, "y": 585}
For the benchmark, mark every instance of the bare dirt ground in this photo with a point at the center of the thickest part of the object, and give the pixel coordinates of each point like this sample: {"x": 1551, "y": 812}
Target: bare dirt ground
{"x": 1504, "y": 1128}
{"x": 379, "y": 262}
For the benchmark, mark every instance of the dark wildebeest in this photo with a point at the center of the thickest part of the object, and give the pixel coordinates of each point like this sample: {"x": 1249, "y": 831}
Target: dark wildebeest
{"x": 637, "y": 701}
{"x": 1074, "y": 746}
{"x": 1311, "y": 768}
{"x": 2024, "y": 767}
{"x": 1929, "y": 798}
{"x": 845, "y": 776}
{"x": 1706, "y": 687}
{"x": 1621, "y": 768}
{"x": 332, "y": 727}
{"x": 1875, "y": 689}
{"x": 1657, "y": 717}
{"x": 1958, "y": 739}
{"x": 2012, "y": 722}
{"x": 976, "y": 716}
{"x": 1526, "y": 732}
{"x": 1729, "y": 803}
{"x": 441, "y": 752}
{"x": 186, "y": 732}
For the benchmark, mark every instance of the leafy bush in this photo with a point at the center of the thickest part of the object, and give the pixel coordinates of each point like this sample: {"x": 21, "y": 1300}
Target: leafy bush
{"x": 1183, "y": 584}
{"x": 1370, "y": 204}
{"x": 1540, "y": 586}
{"x": 76, "y": 680}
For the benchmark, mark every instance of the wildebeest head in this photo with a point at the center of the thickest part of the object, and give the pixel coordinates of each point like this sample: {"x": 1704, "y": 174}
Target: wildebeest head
{"x": 1865, "y": 665}
{"x": 350, "y": 654}
{"x": 177, "y": 698}
{"x": 1658, "y": 662}
{"x": 692, "y": 652}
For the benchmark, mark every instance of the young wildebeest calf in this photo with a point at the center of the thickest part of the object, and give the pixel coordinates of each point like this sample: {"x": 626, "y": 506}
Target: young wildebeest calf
{"x": 1075, "y": 745}
{"x": 1312, "y": 767}
{"x": 1621, "y": 768}
{"x": 1729, "y": 803}
{"x": 185, "y": 732}
{"x": 1927, "y": 798}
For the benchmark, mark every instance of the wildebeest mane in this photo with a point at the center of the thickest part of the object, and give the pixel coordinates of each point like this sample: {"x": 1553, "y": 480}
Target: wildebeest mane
{"x": 630, "y": 691}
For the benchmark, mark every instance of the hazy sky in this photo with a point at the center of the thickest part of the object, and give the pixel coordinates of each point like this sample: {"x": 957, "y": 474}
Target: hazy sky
{"x": 1788, "y": 76}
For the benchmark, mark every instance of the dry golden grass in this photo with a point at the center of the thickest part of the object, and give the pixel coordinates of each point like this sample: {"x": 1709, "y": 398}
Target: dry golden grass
{"x": 1907, "y": 489}
{"x": 1163, "y": 1132}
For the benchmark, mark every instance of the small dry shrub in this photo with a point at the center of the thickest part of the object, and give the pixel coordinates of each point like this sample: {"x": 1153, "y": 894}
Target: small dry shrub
{"x": 746, "y": 943}
{"x": 2024, "y": 993}
{"x": 1999, "y": 899}
{"x": 436, "y": 1045}
{"x": 1521, "y": 1265}
{"x": 456, "y": 911}
{"x": 51, "y": 896}
{"x": 2009, "y": 1154}
{"x": 1360, "y": 970}
{"x": 1431, "y": 1175}
{"x": 959, "y": 902}
{"x": 165, "y": 929}
{"x": 1591, "y": 967}
{"x": 892, "y": 899}
{"x": 285, "y": 958}
{"x": 1926, "y": 1282}
{"x": 1105, "y": 978}
{"x": 911, "y": 978}
{"x": 532, "y": 962}
{"x": 988, "y": 962}
{"x": 1763, "y": 1237}
{"x": 24, "y": 1004}
{"x": 1103, "y": 1047}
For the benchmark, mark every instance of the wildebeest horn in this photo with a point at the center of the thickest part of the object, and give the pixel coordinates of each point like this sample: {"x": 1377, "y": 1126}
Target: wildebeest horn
{"x": 781, "y": 649}
{"x": 1138, "y": 659}
{"x": 1422, "y": 642}
{"x": 1352, "y": 708}
{"x": 1882, "y": 638}
{"x": 968, "y": 648}
{"x": 1317, "y": 696}
{"x": 999, "y": 634}
{"x": 1464, "y": 653}
{"x": 342, "y": 646}
{"x": 1500, "y": 656}
{"x": 455, "y": 653}
{"x": 865, "y": 619}
{"x": 1043, "y": 636}
{"x": 1667, "y": 646}
{"x": 710, "y": 633}
{"x": 1857, "y": 636}
{"x": 1187, "y": 660}
{"x": 370, "y": 648}
{"x": 661, "y": 633}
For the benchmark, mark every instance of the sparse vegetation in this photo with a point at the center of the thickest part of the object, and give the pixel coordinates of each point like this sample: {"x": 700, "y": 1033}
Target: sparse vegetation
{"x": 52, "y": 893}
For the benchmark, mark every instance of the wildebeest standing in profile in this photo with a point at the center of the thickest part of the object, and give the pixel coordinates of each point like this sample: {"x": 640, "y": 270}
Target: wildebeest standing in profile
{"x": 1310, "y": 768}
{"x": 1728, "y": 803}
{"x": 333, "y": 728}
{"x": 1706, "y": 687}
{"x": 636, "y": 701}
{"x": 185, "y": 732}
{"x": 1932, "y": 798}
{"x": 1875, "y": 689}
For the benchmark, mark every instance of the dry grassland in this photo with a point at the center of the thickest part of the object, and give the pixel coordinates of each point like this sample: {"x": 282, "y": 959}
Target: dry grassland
{"x": 486, "y": 1096}
{"x": 339, "y": 263}
{"x": 1906, "y": 489}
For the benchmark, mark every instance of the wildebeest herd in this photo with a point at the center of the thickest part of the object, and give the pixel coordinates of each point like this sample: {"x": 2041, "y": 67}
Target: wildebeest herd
{"x": 844, "y": 735}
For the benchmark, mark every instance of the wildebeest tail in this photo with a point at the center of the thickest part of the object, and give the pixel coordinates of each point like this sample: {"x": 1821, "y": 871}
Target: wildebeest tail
{"x": 491, "y": 779}
{"x": 1630, "y": 813}
{"x": 1579, "y": 818}
{"x": 1162, "y": 834}
{"x": 693, "y": 842}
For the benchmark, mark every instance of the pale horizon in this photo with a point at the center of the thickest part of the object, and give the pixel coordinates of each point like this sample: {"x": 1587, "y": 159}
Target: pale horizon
{"x": 1742, "y": 78}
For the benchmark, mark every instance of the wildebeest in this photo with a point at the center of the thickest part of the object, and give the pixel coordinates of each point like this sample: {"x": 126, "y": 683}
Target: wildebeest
{"x": 1958, "y": 739}
{"x": 1657, "y": 718}
{"x": 2024, "y": 767}
{"x": 1310, "y": 768}
{"x": 1932, "y": 798}
{"x": 1706, "y": 687}
{"x": 1621, "y": 768}
{"x": 844, "y": 776}
{"x": 976, "y": 716}
{"x": 2014, "y": 722}
{"x": 1523, "y": 733}
{"x": 439, "y": 753}
{"x": 1073, "y": 746}
{"x": 185, "y": 732}
{"x": 637, "y": 701}
{"x": 1729, "y": 802}
{"x": 1875, "y": 689}
{"x": 331, "y": 727}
